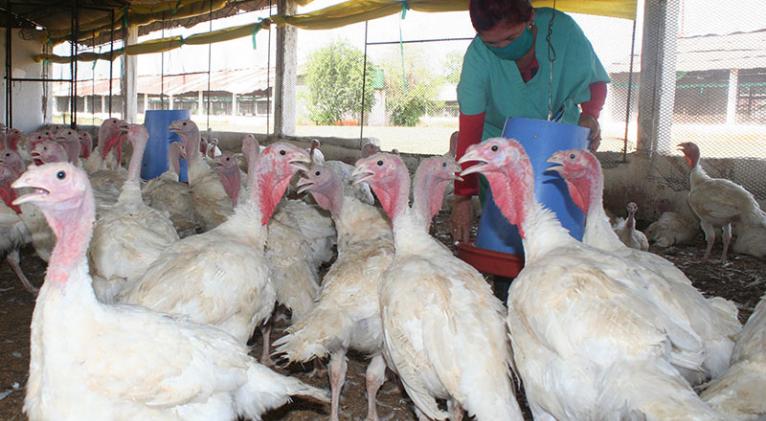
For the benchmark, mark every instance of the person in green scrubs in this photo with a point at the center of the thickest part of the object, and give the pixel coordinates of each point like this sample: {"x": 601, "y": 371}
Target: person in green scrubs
{"x": 524, "y": 62}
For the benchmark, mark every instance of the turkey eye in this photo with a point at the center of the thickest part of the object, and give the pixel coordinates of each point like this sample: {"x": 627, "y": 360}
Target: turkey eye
{"x": 380, "y": 163}
{"x": 282, "y": 152}
{"x": 184, "y": 123}
{"x": 317, "y": 173}
{"x": 444, "y": 165}
{"x": 494, "y": 148}
{"x": 61, "y": 175}
{"x": 45, "y": 148}
{"x": 572, "y": 156}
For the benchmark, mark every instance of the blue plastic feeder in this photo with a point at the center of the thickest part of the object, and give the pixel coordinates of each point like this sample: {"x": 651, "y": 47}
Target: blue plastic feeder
{"x": 155, "y": 160}
{"x": 497, "y": 237}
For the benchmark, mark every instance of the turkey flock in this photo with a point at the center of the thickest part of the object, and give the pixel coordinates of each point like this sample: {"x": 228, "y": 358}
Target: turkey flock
{"x": 154, "y": 289}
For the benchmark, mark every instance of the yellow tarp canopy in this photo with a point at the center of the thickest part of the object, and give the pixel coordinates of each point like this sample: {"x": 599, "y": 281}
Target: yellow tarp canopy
{"x": 342, "y": 14}
{"x": 354, "y": 11}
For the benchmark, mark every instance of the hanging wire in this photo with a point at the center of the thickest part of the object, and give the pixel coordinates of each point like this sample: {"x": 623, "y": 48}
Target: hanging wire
{"x": 268, "y": 80}
{"x": 209, "y": 61}
{"x": 111, "y": 60}
{"x": 551, "y": 60}
{"x": 162, "y": 69}
{"x": 93, "y": 87}
{"x": 364, "y": 83}
{"x": 630, "y": 91}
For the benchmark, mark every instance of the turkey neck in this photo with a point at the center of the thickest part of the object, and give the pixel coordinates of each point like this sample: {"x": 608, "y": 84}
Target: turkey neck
{"x": 409, "y": 228}
{"x": 428, "y": 192}
{"x": 513, "y": 191}
{"x": 134, "y": 166}
{"x": 73, "y": 227}
{"x": 697, "y": 174}
{"x": 598, "y": 231}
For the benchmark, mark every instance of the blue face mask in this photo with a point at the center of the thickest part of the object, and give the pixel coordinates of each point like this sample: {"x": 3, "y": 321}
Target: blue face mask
{"x": 517, "y": 48}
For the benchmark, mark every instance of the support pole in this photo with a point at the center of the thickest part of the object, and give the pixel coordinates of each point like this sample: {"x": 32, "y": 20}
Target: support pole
{"x": 129, "y": 80}
{"x": 8, "y": 68}
{"x": 731, "y": 100}
{"x": 286, "y": 73}
{"x": 658, "y": 76}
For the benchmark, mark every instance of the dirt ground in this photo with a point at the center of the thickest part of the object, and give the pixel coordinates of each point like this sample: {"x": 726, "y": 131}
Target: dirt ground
{"x": 743, "y": 281}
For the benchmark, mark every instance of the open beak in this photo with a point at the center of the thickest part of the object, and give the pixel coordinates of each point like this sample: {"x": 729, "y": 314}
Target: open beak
{"x": 558, "y": 164}
{"x": 681, "y": 147}
{"x": 304, "y": 184}
{"x": 124, "y": 128}
{"x": 300, "y": 159}
{"x": 26, "y": 182}
{"x": 472, "y": 156}
{"x": 361, "y": 175}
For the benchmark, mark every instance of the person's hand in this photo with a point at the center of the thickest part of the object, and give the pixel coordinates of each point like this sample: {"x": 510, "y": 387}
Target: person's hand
{"x": 594, "y": 138}
{"x": 461, "y": 219}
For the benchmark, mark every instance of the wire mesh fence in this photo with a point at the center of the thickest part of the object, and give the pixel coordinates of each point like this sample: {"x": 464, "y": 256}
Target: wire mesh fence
{"x": 718, "y": 97}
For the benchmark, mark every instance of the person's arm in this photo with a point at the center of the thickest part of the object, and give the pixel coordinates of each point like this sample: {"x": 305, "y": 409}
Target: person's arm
{"x": 593, "y": 106}
{"x": 471, "y": 127}
{"x": 590, "y": 111}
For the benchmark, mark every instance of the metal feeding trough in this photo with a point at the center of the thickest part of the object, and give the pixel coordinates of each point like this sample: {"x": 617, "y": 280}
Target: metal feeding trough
{"x": 498, "y": 249}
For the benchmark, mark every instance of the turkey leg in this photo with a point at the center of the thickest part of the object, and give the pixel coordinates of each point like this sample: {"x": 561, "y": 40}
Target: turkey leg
{"x": 13, "y": 260}
{"x": 376, "y": 375}
{"x": 726, "y": 240}
{"x": 338, "y": 367}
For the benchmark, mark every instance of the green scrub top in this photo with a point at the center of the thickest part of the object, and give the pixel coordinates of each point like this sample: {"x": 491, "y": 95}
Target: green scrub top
{"x": 491, "y": 85}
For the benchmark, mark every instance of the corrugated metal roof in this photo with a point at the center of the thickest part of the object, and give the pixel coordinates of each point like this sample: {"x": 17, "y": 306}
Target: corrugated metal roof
{"x": 740, "y": 50}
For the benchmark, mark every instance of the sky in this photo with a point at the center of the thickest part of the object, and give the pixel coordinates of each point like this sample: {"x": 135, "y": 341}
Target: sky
{"x": 610, "y": 37}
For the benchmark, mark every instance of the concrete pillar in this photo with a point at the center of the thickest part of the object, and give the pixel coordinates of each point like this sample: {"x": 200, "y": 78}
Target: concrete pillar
{"x": 286, "y": 73}
{"x": 200, "y": 103}
{"x": 731, "y": 100}
{"x": 658, "y": 76}
{"x": 234, "y": 104}
{"x": 103, "y": 104}
{"x": 146, "y": 103}
{"x": 170, "y": 102}
{"x": 85, "y": 104}
{"x": 129, "y": 79}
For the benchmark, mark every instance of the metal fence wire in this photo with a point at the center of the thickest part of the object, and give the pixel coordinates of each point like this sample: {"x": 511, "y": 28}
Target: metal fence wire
{"x": 718, "y": 101}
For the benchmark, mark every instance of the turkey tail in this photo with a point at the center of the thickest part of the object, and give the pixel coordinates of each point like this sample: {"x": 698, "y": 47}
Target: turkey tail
{"x": 322, "y": 331}
{"x": 266, "y": 389}
{"x": 650, "y": 390}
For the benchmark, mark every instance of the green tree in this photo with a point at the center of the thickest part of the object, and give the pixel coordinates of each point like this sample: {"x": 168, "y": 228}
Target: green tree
{"x": 452, "y": 65}
{"x": 413, "y": 95}
{"x": 334, "y": 80}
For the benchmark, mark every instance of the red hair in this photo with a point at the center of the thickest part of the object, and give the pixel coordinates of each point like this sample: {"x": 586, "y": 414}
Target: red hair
{"x": 485, "y": 14}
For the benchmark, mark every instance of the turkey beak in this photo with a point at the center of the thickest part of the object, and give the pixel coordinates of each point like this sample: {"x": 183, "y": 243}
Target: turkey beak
{"x": 304, "y": 184}
{"x": 360, "y": 175}
{"x": 456, "y": 172}
{"x": 558, "y": 164}
{"x": 124, "y": 127}
{"x": 298, "y": 163}
{"x": 470, "y": 156}
{"x": 26, "y": 181}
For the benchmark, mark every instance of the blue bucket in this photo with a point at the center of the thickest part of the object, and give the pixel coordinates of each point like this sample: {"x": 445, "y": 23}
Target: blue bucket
{"x": 540, "y": 139}
{"x": 155, "y": 160}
